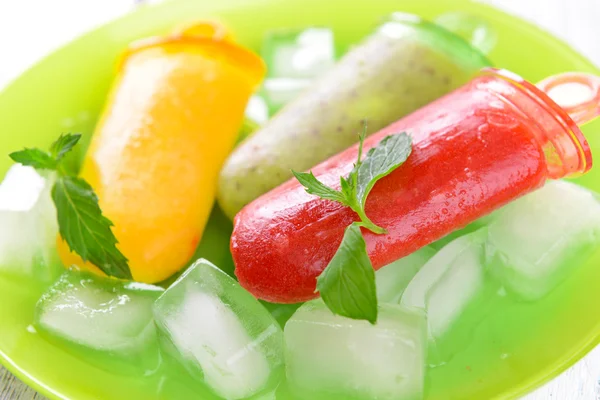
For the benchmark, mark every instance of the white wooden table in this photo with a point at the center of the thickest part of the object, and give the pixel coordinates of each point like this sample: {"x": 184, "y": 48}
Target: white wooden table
{"x": 576, "y": 21}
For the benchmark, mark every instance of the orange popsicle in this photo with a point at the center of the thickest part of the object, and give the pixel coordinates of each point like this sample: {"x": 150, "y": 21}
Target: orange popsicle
{"x": 171, "y": 119}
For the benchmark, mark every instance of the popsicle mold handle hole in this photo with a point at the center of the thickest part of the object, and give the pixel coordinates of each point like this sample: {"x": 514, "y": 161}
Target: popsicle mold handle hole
{"x": 575, "y": 92}
{"x": 473, "y": 29}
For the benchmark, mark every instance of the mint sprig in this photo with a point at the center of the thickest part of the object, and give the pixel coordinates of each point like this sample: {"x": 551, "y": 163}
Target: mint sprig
{"x": 380, "y": 161}
{"x": 347, "y": 284}
{"x": 80, "y": 221}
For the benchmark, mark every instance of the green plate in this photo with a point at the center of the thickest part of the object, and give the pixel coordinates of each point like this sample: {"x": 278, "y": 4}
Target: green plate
{"x": 65, "y": 92}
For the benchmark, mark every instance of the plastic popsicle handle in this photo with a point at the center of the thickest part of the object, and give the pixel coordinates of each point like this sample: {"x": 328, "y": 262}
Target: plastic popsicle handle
{"x": 473, "y": 29}
{"x": 577, "y": 93}
{"x": 565, "y": 147}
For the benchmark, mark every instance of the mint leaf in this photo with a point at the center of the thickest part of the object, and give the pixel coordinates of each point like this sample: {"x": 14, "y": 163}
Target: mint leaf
{"x": 347, "y": 285}
{"x": 85, "y": 229}
{"x": 35, "y": 158}
{"x": 316, "y": 187}
{"x": 347, "y": 189}
{"x": 63, "y": 145}
{"x": 380, "y": 161}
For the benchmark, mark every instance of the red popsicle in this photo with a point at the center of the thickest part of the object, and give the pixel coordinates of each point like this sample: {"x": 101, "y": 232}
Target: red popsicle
{"x": 474, "y": 150}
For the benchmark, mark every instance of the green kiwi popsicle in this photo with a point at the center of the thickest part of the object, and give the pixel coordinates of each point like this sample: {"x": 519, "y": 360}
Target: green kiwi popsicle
{"x": 406, "y": 64}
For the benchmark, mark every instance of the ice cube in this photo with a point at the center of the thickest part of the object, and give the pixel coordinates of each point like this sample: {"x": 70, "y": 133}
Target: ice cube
{"x": 21, "y": 188}
{"x": 28, "y": 226}
{"x": 257, "y": 110}
{"x": 393, "y": 278}
{"x": 220, "y": 333}
{"x": 299, "y": 54}
{"x": 445, "y": 287}
{"x": 332, "y": 357}
{"x": 538, "y": 240}
{"x": 472, "y": 227}
{"x": 294, "y": 59}
{"x": 110, "y": 318}
{"x": 277, "y": 92}
{"x": 447, "y": 281}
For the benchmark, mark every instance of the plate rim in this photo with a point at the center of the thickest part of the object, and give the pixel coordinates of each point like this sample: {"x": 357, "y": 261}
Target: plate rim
{"x": 537, "y": 380}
